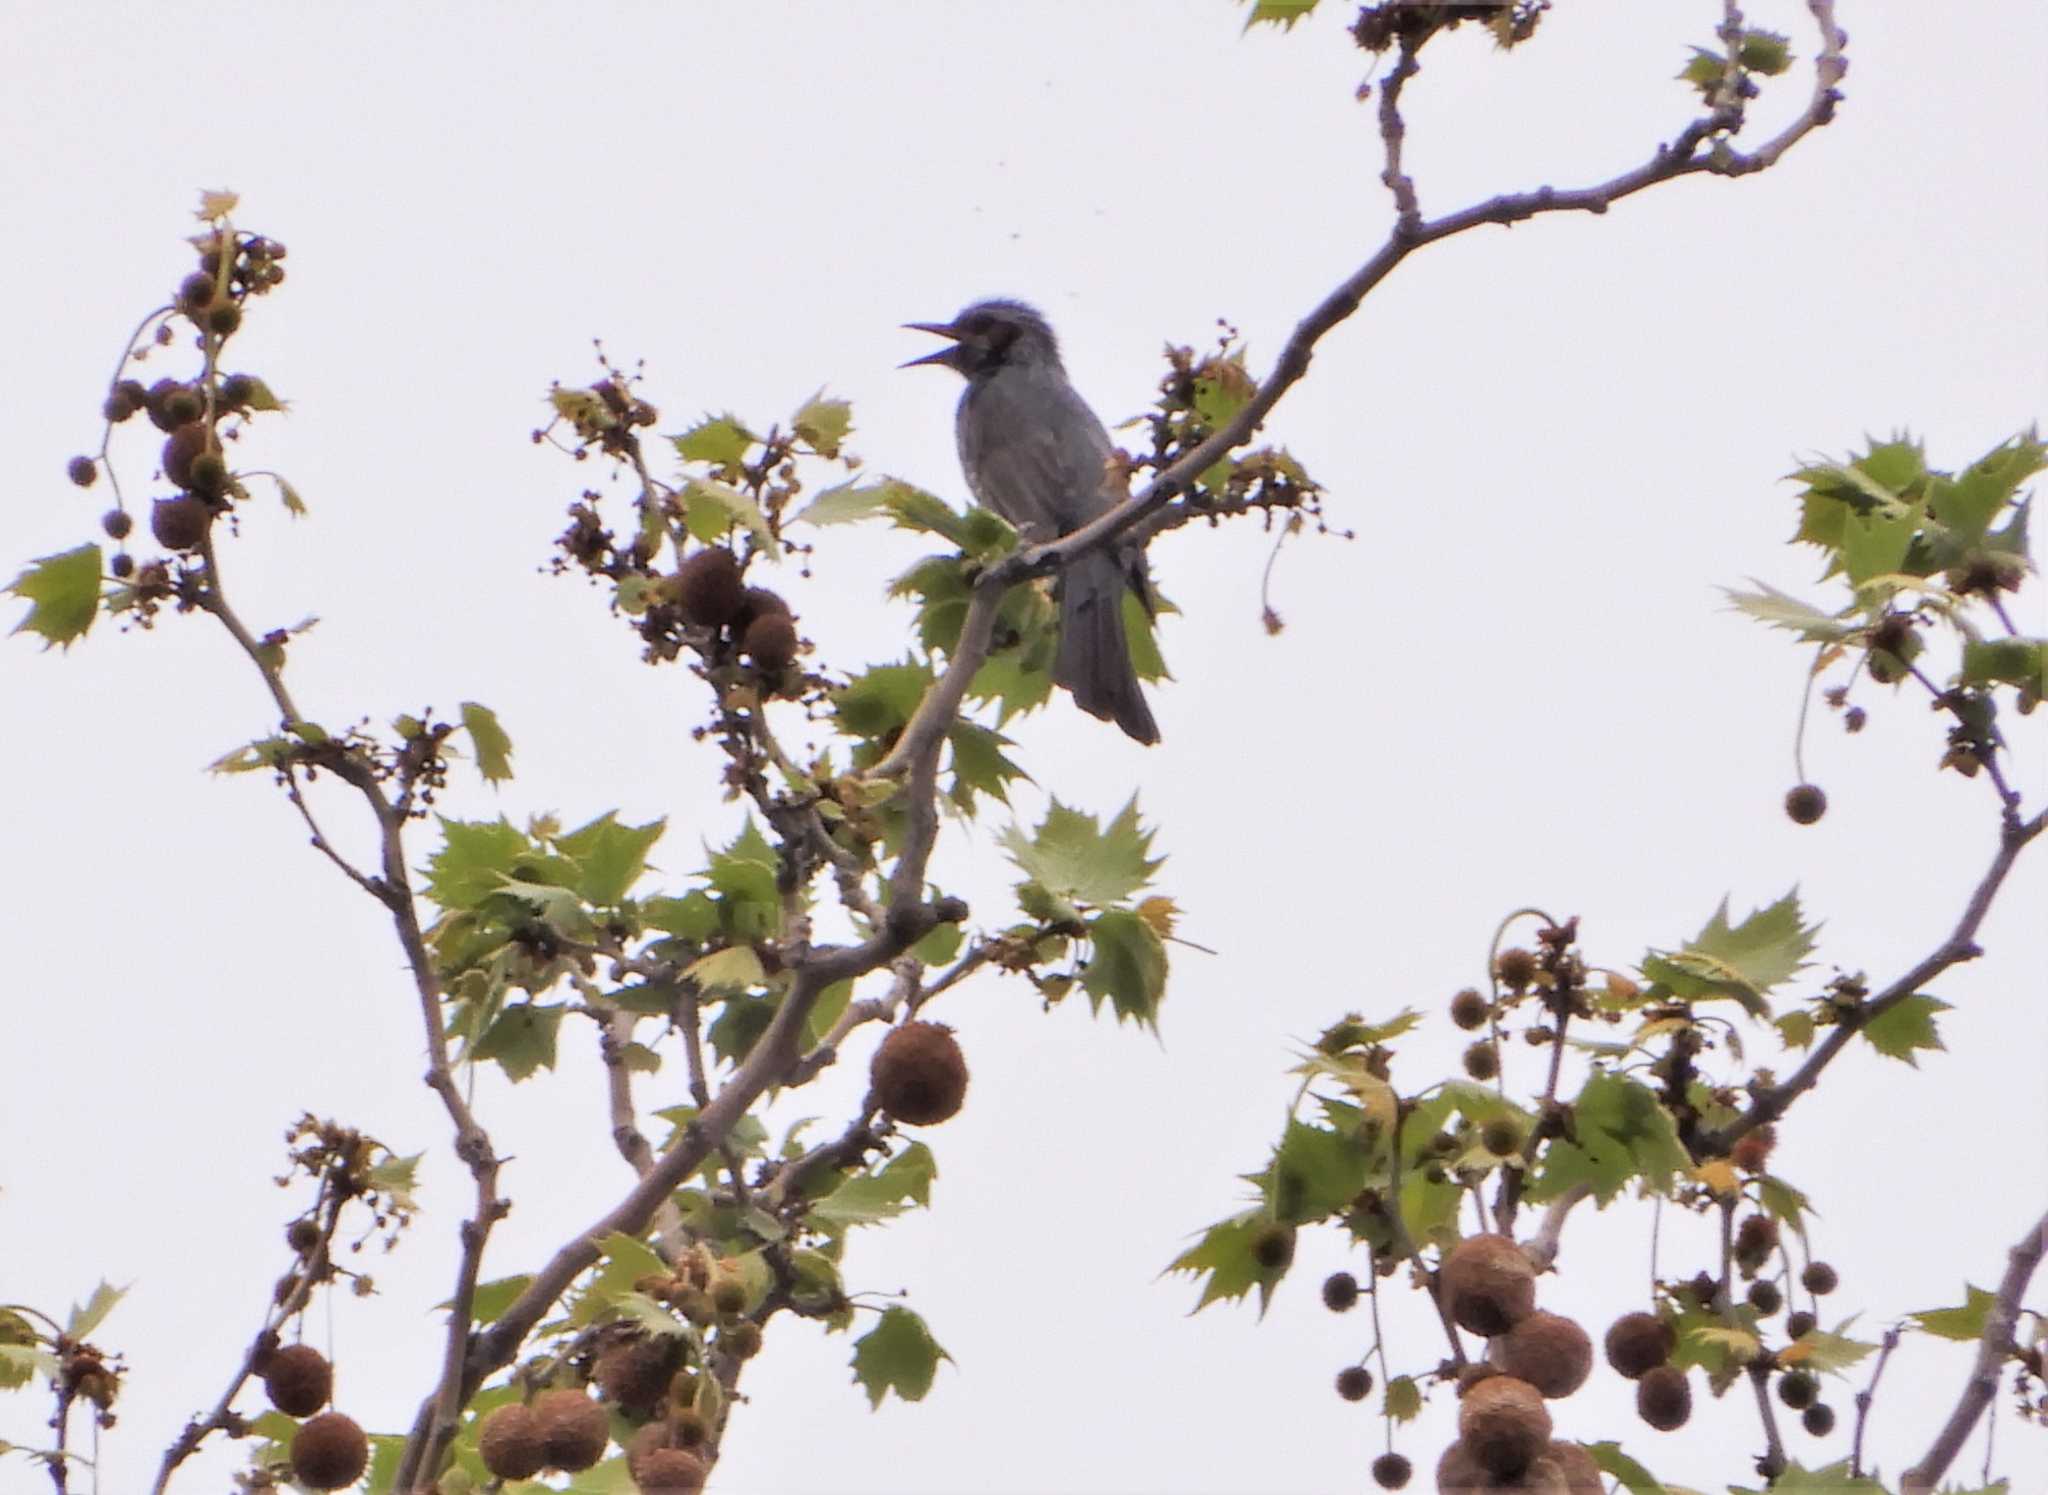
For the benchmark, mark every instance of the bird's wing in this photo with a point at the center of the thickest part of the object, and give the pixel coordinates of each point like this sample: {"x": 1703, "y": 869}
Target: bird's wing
{"x": 1035, "y": 453}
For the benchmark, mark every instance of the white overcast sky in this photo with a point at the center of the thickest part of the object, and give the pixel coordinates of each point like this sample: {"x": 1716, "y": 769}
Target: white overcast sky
{"x": 1517, "y": 685}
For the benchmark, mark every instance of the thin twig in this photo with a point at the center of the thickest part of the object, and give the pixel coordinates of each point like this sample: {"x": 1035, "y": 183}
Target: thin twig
{"x": 1867, "y": 1397}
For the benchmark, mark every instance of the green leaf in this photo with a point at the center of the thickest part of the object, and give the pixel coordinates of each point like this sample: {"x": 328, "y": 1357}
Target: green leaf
{"x": 1743, "y": 961}
{"x": 1836, "y": 1479}
{"x": 1127, "y": 965}
{"x": 610, "y": 857}
{"x": 2008, "y": 661}
{"x": 490, "y": 1300}
{"x": 880, "y": 701}
{"x": 521, "y": 1040}
{"x": 1796, "y": 1029}
{"x": 1622, "y": 1132}
{"x": 289, "y": 497}
{"x": 644, "y": 1313}
{"x": 1072, "y": 857}
{"x": 1403, "y": 1399}
{"x": 979, "y": 765}
{"x": 265, "y": 752}
{"x": 744, "y": 876}
{"x": 899, "y": 1355}
{"x": 89, "y": 1315}
{"x": 693, "y": 917}
{"x": 1225, "y": 1253}
{"x": 21, "y": 1363}
{"x": 475, "y": 858}
{"x": 1965, "y": 1322}
{"x": 1784, "y": 1201}
{"x": 493, "y": 747}
{"x": 1769, "y": 605}
{"x": 1905, "y": 1027}
{"x": 1633, "y": 1476}
{"x": 739, "y": 1027}
{"x": 1430, "y": 1210}
{"x": 1316, "y": 1172}
{"x": 712, "y": 508}
{"x": 718, "y": 439}
{"x": 1821, "y": 1349}
{"x": 1876, "y": 544}
{"x": 904, "y": 1183}
{"x": 823, "y": 424}
{"x": 735, "y": 968}
{"x": 1281, "y": 13}
{"x": 63, "y": 592}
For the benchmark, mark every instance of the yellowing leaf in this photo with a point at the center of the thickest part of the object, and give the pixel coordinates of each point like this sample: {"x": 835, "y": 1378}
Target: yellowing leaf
{"x": 1160, "y": 912}
{"x": 1718, "y": 1175}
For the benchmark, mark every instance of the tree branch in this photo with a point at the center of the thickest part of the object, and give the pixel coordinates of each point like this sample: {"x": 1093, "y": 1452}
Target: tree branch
{"x": 1992, "y": 1348}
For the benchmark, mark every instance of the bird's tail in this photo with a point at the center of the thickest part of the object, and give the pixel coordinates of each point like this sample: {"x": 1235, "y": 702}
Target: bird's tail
{"x": 1095, "y": 658}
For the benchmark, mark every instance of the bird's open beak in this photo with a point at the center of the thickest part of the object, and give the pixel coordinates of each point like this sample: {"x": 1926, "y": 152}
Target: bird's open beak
{"x": 937, "y": 329}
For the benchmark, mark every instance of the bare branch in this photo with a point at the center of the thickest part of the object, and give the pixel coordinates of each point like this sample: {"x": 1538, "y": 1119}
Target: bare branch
{"x": 1992, "y": 1348}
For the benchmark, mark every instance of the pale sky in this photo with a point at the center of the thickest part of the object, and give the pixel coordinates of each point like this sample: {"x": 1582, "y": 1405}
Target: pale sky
{"x": 1517, "y": 685}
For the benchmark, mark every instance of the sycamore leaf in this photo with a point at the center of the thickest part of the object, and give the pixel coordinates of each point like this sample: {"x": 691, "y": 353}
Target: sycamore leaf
{"x": 475, "y": 858}
{"x": 1315, "y": 1172}
{"x": 2007, "y": 661}
{"x": 490, "y": 1300}
{"x": 63, "y": 593}
{"x": 610, "y": 857}
{"x": 1224, "y": 1253}
{"x": 1835, "y": 1479}
{"x": 1127, "y": 964}
{"x": 493, "y": 747}
{"x": 734, "y": 968}
{"x": 1742, "y": 961}
{"x": 1796, "y": 1030}
{"x": 899, "y": 1355}
{"x": 1633, "y": 1476}
{"x": 90, "y": 1314}
{"x": 1965, "y": 1322}
{"x": 1070, "y": 856}
{"x": 881, "y": 700}
{"x": 717, "y": 439}
{"x": 1905, "y": 1027}
{"x": 1769, "y": 605}
{"x": 1622, "y": 1133}
{"x": 1403, "y": 1399}
{"x": 20, "y": 1363}
{"x": 870, "y": 1198}
{"x": 1281, "y": 13}
{"x": 823, "y": 424}
{"x": 979, "y": 764}
{"x": 712, "y": 508}
{"x": 521, "y": 1040}
{"x": 1820, "y": 1349}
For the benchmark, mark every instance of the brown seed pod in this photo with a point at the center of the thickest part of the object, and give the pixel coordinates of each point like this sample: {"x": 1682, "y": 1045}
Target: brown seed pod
{"x": 1516, "y": 968}
{"x": 573, "y": 1429}
{"x": 729, "y": 1296}
{"x": 1549, "y": 1351}
{"x": 1481, "y": 1061}
{"x": 1469, "y": 1009}
{"x": 1487, "y": 1284}
{"x": 1581, "y": 1475}
{"x": 1503, "y": 1424}
{"x": 1340, "y": 1292}
{"x": 1392, "y": 1471}
{"x": 329, "y": 1452}
{"x": 742, "y": 1341}
{"x": 670, "y": 1471}
{"x": 1798, "y": 1389}
{"x": 757, "y": 602}
{"x": 1818, "y": 1419}
{"x": 1752, "y": 1149}
{"x": 1806, "y": 803}
{"x": 182, "y": 449}
{"x": 648, "y": 1461}
{"x": 770, "y": 641}
{"x": 298, "y": 1380}
{"x": 511, "y": 1442}
{"x": 179, "y": 523}
{"x": 1819, "y": 1279}
{"x": 1798, "y": 1325}
{"x": 709, "y": 588}
{"x": 918, "y": 1076}
{"x": 1354, "y": 1383}
{"x": 635, "y": 1373}
{"x": 1639, "y": 1342}
{"x": 1664, "y": 1398}
{"x": 1273, "y": 1247}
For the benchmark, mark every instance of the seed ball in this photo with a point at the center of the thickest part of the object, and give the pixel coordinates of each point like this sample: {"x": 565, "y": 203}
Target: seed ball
{"x": 1472, "y": 1372}
{"x": 512, "y": 1444}
{"x": 298, "y": 1380}
{"x": 1549, "y": 1351}
{"x": 1459, "y": 1473}
{"x": 302, "y": 1236}
{"x": 689, "y": 1427}
{"x": 1273, "y": 1247}
{"x": 1340, "y": 1292}
{"x": 179, "y": 523}
{"x": 1798, "y": 1388}
{"x": 122, "y": 565}
{"x": 223, "y": 319}
{"x": 770, "y": 641}
{"x": 648, "y": 1446}
{"x": 709, "y": 588}
{"x": 757, "y": 602}
{"x": 670, "y": 1471}
{"x": 1752, "y": 1149}
{"x": 742, "y": 1341}
{"x": 1469, "y": 1009}
{"x": 1501, "y": 1137}
{"x": 1664, "y": 1398}
{"x": 1765, "y": 1297}
{"x": 573, "y": 1429}
{"x": 83, "y": 471}
{"x": 156, "y": 398}
{"x": 1392, "y": 1471}
{"x": 195, "y": 290}
{"x": 919, "y": 1076}
{"x": 184, "y": 447}
{"x": 1503, "y": 1424}
{"x": 1818, "y": 1278}
{"x": 1702, "y": 1289}
{"x": 237, "y": 390}
{"x": 1806, "y": 803}
{"x": 1638, "y": 1343}
{"x": 1799, "y": 1325}
{"x": 1487, "y": 1284}
{"x": 1755, "y": 1239}
{"x": 182, "y": 406}
{"x": 1819, "y": 1419}
{"x": 117, "y": 523}
{"x": 1516, "y": 968}
{"x": 329, "y": 1452}
{"x": 209, "y": 472}
{"x": 1481, "y": 1062}
{"x": 1581, "y": 1475}
{"x": 1354, "y": 1383}
{"x": 729, "y": 1296}
{"x": 634, "y": 1374}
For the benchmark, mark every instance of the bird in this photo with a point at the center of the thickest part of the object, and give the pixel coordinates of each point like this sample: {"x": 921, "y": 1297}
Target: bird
{"x": 1036, "y": 454}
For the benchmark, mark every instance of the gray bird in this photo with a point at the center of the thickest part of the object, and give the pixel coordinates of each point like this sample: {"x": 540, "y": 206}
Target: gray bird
{"x": 1035, "y": 453}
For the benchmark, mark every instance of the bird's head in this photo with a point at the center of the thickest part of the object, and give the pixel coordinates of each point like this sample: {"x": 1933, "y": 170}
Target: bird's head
{"x": 991, "y": 335}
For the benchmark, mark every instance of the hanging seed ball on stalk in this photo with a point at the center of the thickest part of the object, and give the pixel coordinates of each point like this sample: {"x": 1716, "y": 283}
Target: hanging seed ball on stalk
{"x": 919, "y": 1076}
{"x": 1503, "y": 1425}
{"x": 1819, "y": 1279}
{"x": 1354, "y": 1383}
{"x": 1752, "y": 1149}
{"x": 329, "y": 1452}
{"x": 512, "y": 1444}
{"x": 1639, "y": 1342}
{"x": 573, "y": 1429}
{"x": 1487, "y": 1284}
{"x": 1664, "y": 1398}
{"x": 709, "y": 588}
{"x": 179, "y": 523}
{"x": 1273, "y": 1247}
{"x": 1392, "y": 1471}
{"x": 1469, "y": 1009}
{"x": 1581, "y": 1475}
{"x": 660, "y": 1461}
{"x": 1340, "y": 1292}
{"x": 770, "y": 641}
{"x": 298, "y": 1380}
{"x": 1549, "y": 1351}
{"x": 635, "y": 1373}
